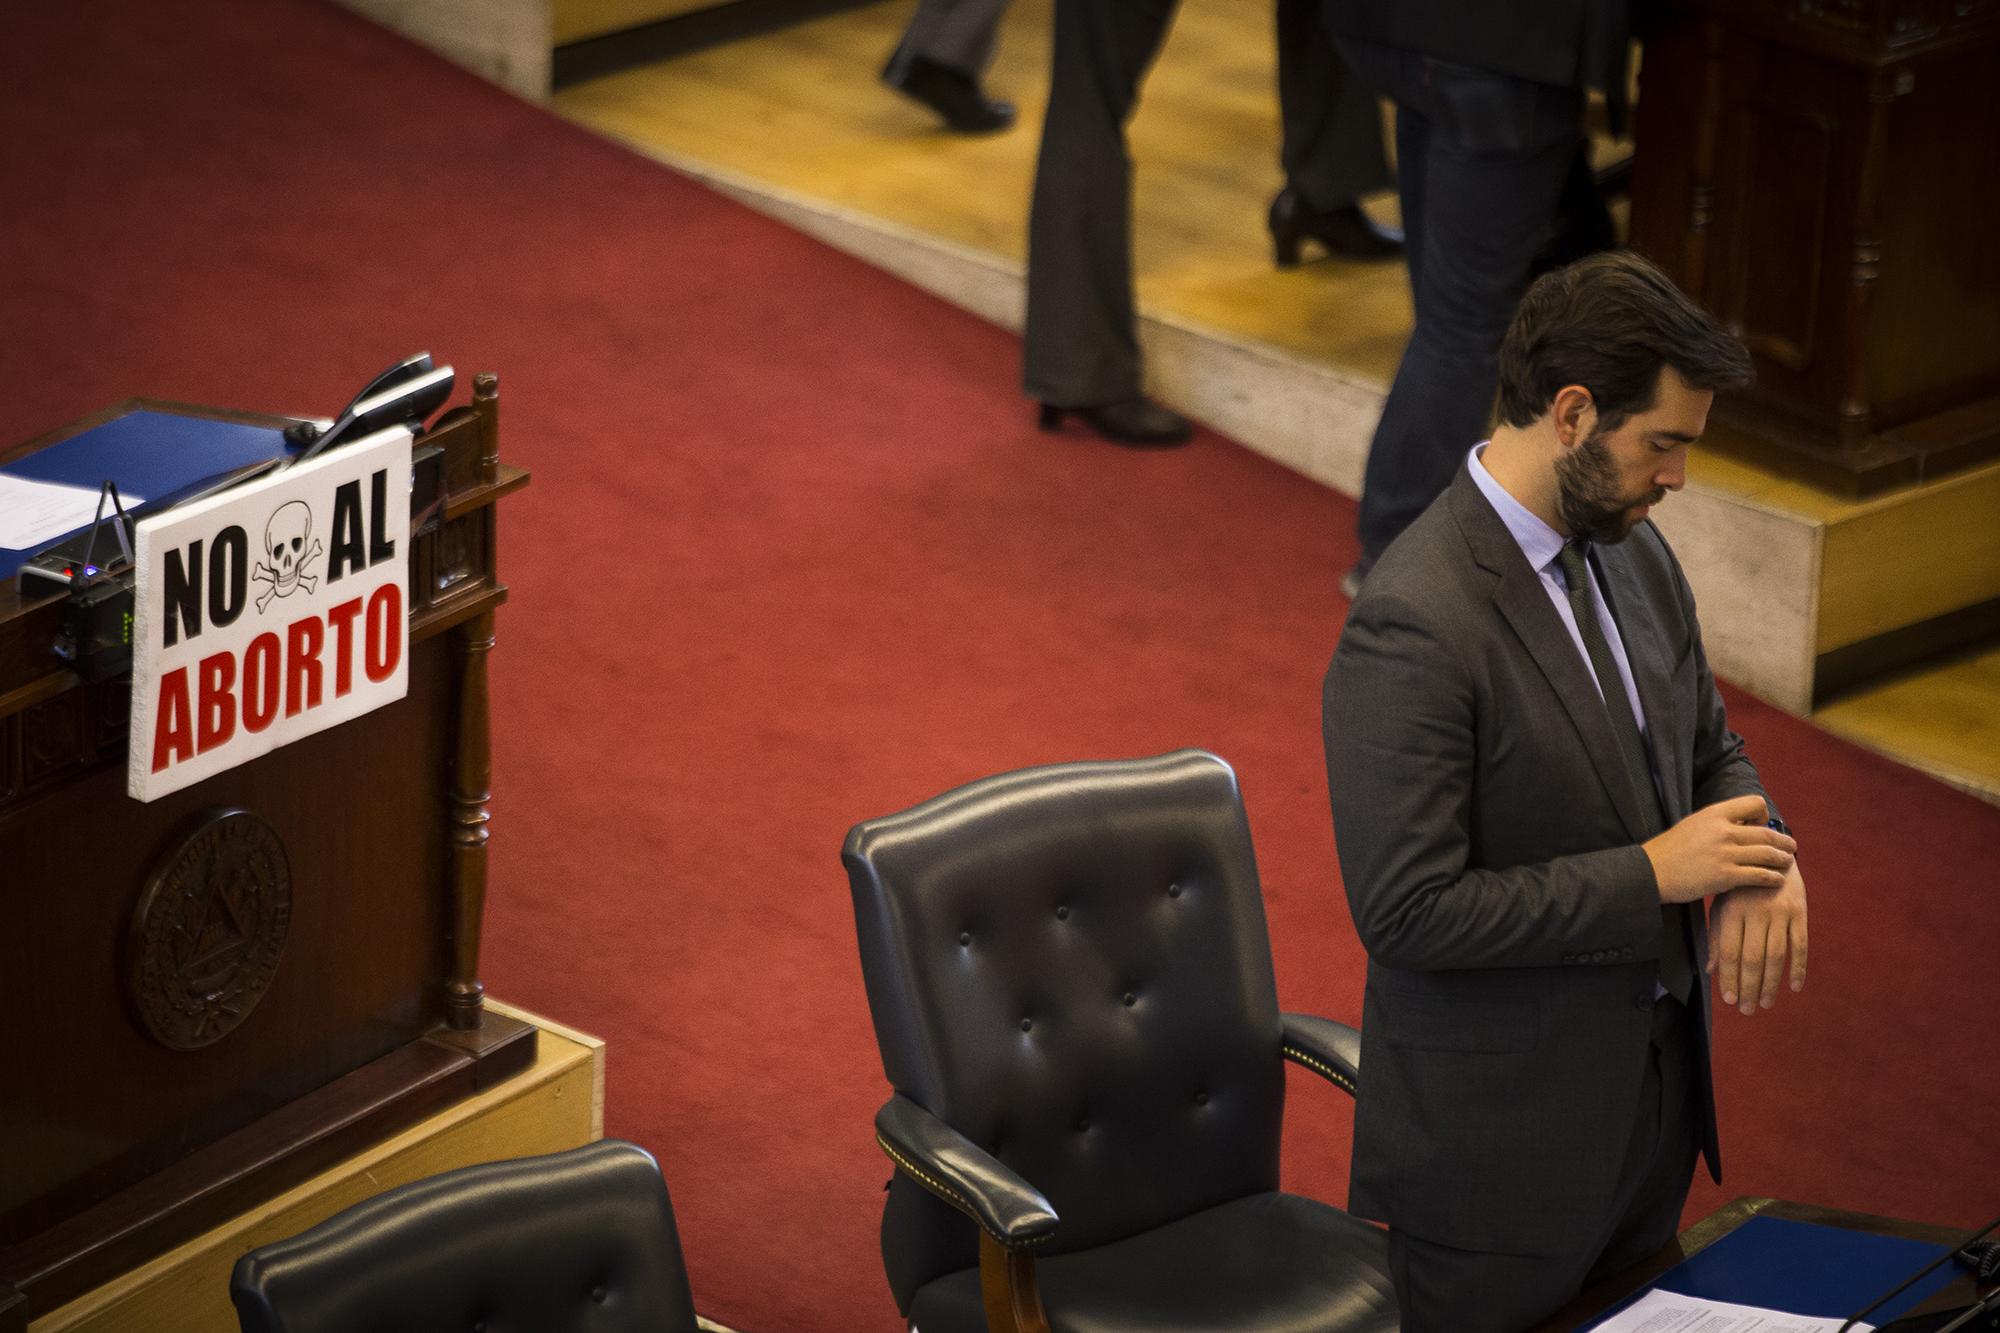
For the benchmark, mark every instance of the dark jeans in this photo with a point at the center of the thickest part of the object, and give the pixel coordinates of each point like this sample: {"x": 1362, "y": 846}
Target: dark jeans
{"x": 1481, "y": 160}
{"x": 1445, "y": 1290}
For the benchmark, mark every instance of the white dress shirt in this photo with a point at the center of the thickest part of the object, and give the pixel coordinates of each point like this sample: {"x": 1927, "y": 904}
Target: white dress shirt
{"x": 1541, "y": 544}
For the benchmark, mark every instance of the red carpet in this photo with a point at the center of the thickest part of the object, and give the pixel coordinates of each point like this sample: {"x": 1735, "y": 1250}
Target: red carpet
{"x": 794, "y": 556}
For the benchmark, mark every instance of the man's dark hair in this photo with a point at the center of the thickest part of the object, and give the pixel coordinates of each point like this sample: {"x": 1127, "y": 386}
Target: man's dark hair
{"x": 1609, "y": 322}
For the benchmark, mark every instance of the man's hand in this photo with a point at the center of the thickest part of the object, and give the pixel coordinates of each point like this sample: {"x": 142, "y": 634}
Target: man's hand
{"x": 1749, "y": 931}
{"x": 1720, "y": 848}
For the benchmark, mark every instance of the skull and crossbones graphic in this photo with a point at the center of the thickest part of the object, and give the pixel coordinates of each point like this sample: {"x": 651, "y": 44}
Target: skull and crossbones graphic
{"x": 286, "y": 539}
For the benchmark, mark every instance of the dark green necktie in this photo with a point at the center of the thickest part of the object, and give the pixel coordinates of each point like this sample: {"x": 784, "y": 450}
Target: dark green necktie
{"x": 1676, "y": 962}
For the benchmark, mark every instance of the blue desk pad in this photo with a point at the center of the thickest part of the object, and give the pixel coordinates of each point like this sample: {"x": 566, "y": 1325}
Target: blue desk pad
{"x": 158, "y": 455}
{"x": 1804, "y": 1268}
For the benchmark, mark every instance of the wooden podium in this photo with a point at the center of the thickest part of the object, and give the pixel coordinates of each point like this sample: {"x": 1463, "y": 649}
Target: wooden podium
{"x": 1824, "y": 174}
{"x": 126, "y": 1126}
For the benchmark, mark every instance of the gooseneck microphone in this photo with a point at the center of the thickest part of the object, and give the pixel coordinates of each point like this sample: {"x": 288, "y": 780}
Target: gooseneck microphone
{"x": 1978, "y": 1262}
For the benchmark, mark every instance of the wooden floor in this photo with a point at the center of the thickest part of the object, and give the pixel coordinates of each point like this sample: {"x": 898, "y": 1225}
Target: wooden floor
{"x": 803, "y": 111}
{"x": 1947, "y": 715}
{"x": 803, "y": 108}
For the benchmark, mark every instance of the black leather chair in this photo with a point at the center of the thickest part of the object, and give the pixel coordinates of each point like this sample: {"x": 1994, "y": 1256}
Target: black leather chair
{"x": 575, "y": 1242}
{"x": 1071, "y": 984}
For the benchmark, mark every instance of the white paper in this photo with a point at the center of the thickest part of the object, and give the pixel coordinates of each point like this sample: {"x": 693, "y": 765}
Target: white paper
{"x": 35, "y": 513}
{"x": 1669, "y": 1312}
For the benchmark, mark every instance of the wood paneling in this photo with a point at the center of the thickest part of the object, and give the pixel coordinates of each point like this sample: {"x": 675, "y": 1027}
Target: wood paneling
{"x": 1787, "y": 152}
{"x": 1823, "y": 175}
{"x": 1944, "y": 138}
{"x": 556, "y": 1104}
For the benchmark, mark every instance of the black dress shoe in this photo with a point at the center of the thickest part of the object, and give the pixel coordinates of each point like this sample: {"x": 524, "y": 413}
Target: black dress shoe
{"x": 1347, "y": 232}
{"x": 952, "y": 93}
{"x": 1139, "y": 422}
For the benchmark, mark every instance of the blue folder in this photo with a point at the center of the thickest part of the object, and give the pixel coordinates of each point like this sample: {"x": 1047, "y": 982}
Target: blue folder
{"x": 1804, "y": 1268}
{"x": 157, "y": 455}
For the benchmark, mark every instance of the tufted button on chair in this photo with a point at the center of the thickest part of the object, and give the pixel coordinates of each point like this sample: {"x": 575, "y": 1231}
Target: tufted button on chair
{"x": 1113, "y": 1163}
{"x": 575, "y": 1242}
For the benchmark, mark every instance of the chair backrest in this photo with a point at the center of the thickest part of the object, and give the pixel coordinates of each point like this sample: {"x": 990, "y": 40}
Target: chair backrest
{"x": 1069, "y": 965}
{"x": 580, "y": 1240}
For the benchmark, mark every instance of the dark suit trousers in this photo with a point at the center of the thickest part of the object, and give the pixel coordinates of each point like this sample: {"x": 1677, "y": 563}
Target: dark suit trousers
{"x": 1481, "y": 160}
{"x": 1082, "y": 343}
{"x": 1332, "y": 147}
{"x": 1446, "y": 1290}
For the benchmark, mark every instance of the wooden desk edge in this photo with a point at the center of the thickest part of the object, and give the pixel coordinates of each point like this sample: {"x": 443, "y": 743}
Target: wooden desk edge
{"x": 595, "y": 1045}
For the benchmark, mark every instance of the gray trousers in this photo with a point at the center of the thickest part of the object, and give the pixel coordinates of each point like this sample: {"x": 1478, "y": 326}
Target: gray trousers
{"x": 958, "y": 34}
{"x": 1082, "y": 345}
{"x": 1444, "y": 1290}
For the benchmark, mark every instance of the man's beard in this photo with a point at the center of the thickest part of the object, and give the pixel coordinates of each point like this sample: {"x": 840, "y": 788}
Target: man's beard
{"x": 1587, "y": 493}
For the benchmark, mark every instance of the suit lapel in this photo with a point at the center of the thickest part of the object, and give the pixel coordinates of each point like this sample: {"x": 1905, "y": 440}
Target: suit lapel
{"x": 1646, "y": 651}
{"x": 1522, "y": 600}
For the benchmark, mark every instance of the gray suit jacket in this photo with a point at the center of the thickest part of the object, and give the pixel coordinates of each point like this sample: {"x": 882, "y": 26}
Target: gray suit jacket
{"x": 1491, "y": 856}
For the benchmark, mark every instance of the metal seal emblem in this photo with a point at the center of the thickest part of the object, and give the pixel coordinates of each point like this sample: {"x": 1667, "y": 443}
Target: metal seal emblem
{"x": 208, "y": 930}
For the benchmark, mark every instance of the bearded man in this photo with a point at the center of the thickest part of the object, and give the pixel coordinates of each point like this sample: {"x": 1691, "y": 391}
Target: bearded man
{"x": 1534, "y": 789}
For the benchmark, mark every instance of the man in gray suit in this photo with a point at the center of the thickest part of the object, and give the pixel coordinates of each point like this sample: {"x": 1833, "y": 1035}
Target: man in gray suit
{"x": 1534, "y": 787}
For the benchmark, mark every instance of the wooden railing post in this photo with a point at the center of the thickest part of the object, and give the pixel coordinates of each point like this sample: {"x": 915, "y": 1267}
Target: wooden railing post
{"x": 471, "y": 797}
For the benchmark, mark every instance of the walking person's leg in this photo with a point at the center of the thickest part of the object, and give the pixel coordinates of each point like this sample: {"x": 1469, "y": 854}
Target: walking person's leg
{"x": 1495, "y": 157}
{"x": 1081, "y": 343}
{"x": 1331, "y": 149}
{"x": 943, "y": 57}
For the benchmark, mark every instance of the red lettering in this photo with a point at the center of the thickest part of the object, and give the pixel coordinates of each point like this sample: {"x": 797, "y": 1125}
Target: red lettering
{"x": 304, "y": 639}
{"x": 385, "y": 632}
{"x": 173, "y": 727}
{"x": 215, "y": 718}
{"x": 261, "y": 671}
{"x": 342, "y": 617}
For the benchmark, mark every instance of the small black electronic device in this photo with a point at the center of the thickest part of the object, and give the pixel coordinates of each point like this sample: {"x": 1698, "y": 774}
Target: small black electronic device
{"x": 96, "y": 636}
{"x": 99, "y": 550}
{"x": 80, "y": 560}
{"x": 407, "y": 393}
